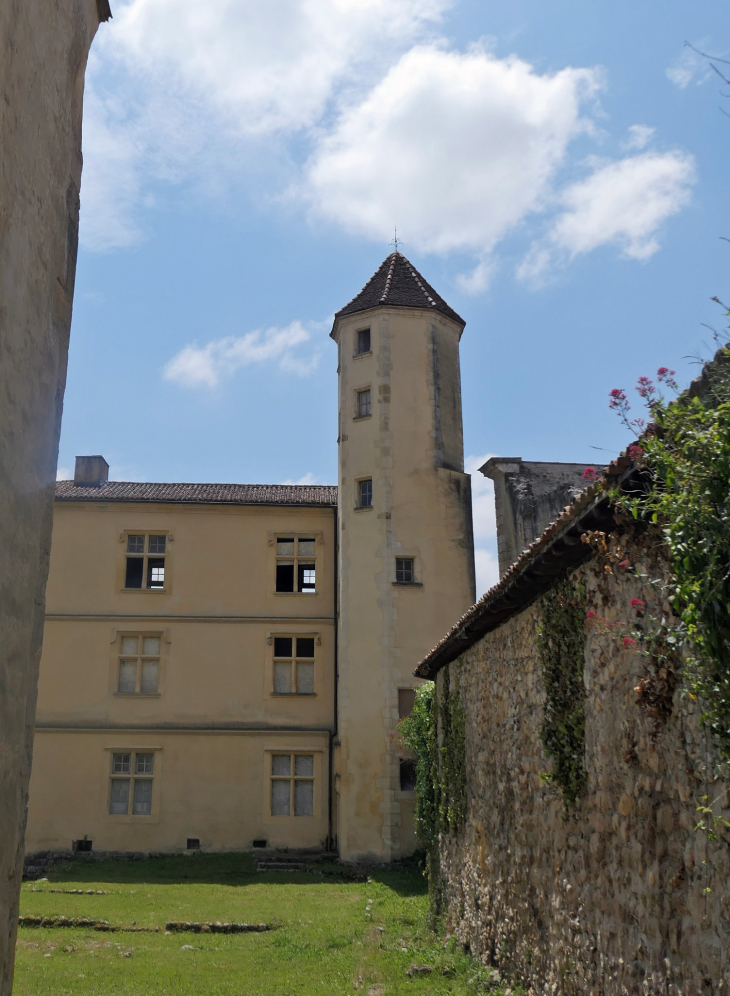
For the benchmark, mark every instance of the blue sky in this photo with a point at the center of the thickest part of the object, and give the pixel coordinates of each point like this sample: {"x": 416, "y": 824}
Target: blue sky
{"x": 558, "y": 171}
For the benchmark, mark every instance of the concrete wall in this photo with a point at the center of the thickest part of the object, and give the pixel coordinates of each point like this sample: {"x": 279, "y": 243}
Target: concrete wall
{"x": 528, "y": 496}
{"x": 43, "y": 50}
{"x": 216, "y": 718}
{"x": 411, "y": 447}
{"x": 623, "y": 895}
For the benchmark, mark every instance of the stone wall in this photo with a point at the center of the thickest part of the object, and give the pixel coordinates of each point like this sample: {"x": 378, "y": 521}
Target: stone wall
{"x": 43, "y": 50}
{"x": 623, "y": 895}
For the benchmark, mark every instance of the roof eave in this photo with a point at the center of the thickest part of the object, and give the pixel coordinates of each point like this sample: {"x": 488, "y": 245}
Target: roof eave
{"x": 460, "y": 325}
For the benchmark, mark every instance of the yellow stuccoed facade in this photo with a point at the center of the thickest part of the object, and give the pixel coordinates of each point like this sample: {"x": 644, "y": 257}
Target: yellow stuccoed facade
{"x": 185, "y": 699}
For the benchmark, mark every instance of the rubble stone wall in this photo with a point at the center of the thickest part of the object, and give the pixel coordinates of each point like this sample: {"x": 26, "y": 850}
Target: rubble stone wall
{"x": 623, "y": 894}
{"x": 43, "y": 51}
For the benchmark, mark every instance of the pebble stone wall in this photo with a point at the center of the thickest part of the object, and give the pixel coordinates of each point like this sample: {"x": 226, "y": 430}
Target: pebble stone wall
{"x": 614, "y": 898}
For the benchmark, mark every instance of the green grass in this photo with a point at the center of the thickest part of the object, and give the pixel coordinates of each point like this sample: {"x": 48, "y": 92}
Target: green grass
{"x": 326, "y": 939}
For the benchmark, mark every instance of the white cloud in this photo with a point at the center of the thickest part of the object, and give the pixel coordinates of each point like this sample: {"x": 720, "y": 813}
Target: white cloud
{"x": 207, "y": 366}
{"x": 479, "y": 279}
{"x": 690, "y": 66}
{"x": 455, "y": 148}
{"x": 621, "y": 203}
{"x": 307, "y": 478}
{"x": 485, "y": 524}
{"x": 639, "y": 137}
{"x": 179, "y": 89}
{"x": 63, "y": 474}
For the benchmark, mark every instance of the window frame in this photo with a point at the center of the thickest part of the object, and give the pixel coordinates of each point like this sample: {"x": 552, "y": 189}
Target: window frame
{"x": 358, "y": 493}
{"x": 295, "y": 660}
{"x": 141, "y": 657}
{"x": 146, "y": 556}
{"x": 357, "y": 352}
{"x": 413, "y": 580}
{"x": 154, "y": 777}
{"x": 359, "y": 415}
{"x": 298, "y": 561}
{"x": 292, "y": 778}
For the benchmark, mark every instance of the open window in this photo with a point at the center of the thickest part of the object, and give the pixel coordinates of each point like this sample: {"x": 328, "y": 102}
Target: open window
{"x": 296, "y": 565}
{"x": 145, "y": 564}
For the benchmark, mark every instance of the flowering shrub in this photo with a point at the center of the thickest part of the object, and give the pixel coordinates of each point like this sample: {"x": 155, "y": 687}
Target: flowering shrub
{"x": 685, "y": 492}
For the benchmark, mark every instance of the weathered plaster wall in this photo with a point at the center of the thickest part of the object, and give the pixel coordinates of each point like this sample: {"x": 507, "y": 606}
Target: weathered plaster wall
{"x": 528, "y": 496}
{"x": 43, "y": 50}
{"x": 613, "y": 899}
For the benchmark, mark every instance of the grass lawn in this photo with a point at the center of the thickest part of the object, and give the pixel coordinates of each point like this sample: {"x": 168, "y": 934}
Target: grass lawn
{"x": 332, "y": 936}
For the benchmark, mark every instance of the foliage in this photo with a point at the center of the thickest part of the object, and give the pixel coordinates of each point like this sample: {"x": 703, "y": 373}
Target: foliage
{"x": 334, "y": 935}
{"x": 560, "y": 643}
{"x": 418, "y": 735}
{"x": 685, "y": 454}
{"x": 452, "y": 776}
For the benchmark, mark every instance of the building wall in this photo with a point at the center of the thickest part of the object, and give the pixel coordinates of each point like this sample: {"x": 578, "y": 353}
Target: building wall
{"x": 528, "y": 496}
{"x": 411, "y": 446}
{"x": 216, "y": 719}
{"x": 623, "y": 895}
{"x": 43, "y": 50}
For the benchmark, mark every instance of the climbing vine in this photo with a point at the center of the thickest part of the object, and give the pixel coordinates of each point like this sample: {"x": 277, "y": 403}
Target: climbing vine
{"x": 560, "y": 643}
{"x": 418, "y": 735}
{"x": 685, "y": 492}
{"x": 452, "y": 774}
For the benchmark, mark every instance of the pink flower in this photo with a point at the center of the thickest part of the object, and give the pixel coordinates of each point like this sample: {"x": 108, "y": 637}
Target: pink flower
{"x": 646, "y": 388}
{"x": 635, "y": 451}
{"x": 590, "y": 474}
{"x": 628, "y": 642}
{"x": 591, "y": 614}
{"x": 637, "y": 604}
{"x": 667, "y": 375}
{"x": 624, "y": 563}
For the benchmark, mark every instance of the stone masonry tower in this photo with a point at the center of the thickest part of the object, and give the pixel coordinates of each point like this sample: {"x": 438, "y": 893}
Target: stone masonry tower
{"x": 406, "y": 557}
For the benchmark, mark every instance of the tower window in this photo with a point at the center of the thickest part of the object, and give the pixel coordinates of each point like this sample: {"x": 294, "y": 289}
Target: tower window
{"x": 365, "y": 493}
{"x": 404, "y": 573}
{"x": 362, "y": 341}
{"x": 406, "y": 701}
{"x": 407, "y": 775}
{"x": 364, "y": 406}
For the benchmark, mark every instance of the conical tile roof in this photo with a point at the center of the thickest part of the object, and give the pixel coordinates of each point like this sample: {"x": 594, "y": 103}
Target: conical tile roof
{"x": 398, "y": 284}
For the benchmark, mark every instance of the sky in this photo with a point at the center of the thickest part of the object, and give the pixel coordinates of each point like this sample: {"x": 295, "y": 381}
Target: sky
{"x": 556, "y": 170}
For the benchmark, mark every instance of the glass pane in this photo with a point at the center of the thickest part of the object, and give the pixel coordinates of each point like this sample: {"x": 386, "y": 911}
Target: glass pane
{"x": 304, "y": 764}
{"x": 151, "y": 646}
{"x": 135, "y": 567}
{"x": 282, "y": 680}
{"x": 303, "y": 798}
{"x": 280, "y": 798}
{"x": 144, "y": 764}
{"x": 121, "y": 764}
{"x": 155, "y": 572}
{"x": 306, "y": 577}
{"x": 281, "y": 764}
{"x": 306, "y": 547}
{"x": 366, "y": 494}
{"x": 404, "y": 570}
{"x": 142, "y": 805}
{"x": 157, "y": 544}
{"x": 150, "y": 677}
{"x": 119, "y": 798}
{"x": 129, "y": 645}
{"x": 363, "y": 403}
{"x": 135, "y": 544}
{"x": 305, "y": 646}
{"x": 285, "y": 577}
{"x": 127, "y": 679}
{"x": 282, "y": 646}
{"x": 363, "y": 341}
{"x": 285, "y": 548}
{"x": 305, "y": 679}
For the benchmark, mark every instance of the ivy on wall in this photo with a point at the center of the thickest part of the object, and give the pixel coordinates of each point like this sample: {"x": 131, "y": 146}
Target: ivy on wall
{"x": 560, "y": 645}
{"x": 452, "y": 774}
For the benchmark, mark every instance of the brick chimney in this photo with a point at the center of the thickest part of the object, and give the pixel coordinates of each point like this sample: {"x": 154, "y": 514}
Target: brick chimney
{"x": 91, "y": 470}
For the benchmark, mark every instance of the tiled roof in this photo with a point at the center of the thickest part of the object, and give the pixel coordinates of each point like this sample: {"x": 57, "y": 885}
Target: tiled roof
{"x": 204, "y": 494}
{"x": 398, "y": 283}
{"x": 557, "y": 549}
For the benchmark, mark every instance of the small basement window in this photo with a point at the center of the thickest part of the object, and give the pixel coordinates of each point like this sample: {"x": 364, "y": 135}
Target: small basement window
{"x": 364, "y": 406}
{"x": 362, "y": 341}
{"x": 193, "y": 844}
{"x": 404, "y": 573}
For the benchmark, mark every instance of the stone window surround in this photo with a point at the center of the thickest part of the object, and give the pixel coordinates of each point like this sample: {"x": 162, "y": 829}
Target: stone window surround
{"x": 115, "y": 647}
{"x": 293, "y": 634}
{"x": 133, "y": 749}
{"x": 146, "y": 531}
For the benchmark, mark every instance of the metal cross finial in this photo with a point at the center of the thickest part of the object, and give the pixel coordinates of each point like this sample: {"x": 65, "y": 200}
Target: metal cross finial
{"x": 394, "y": 240}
